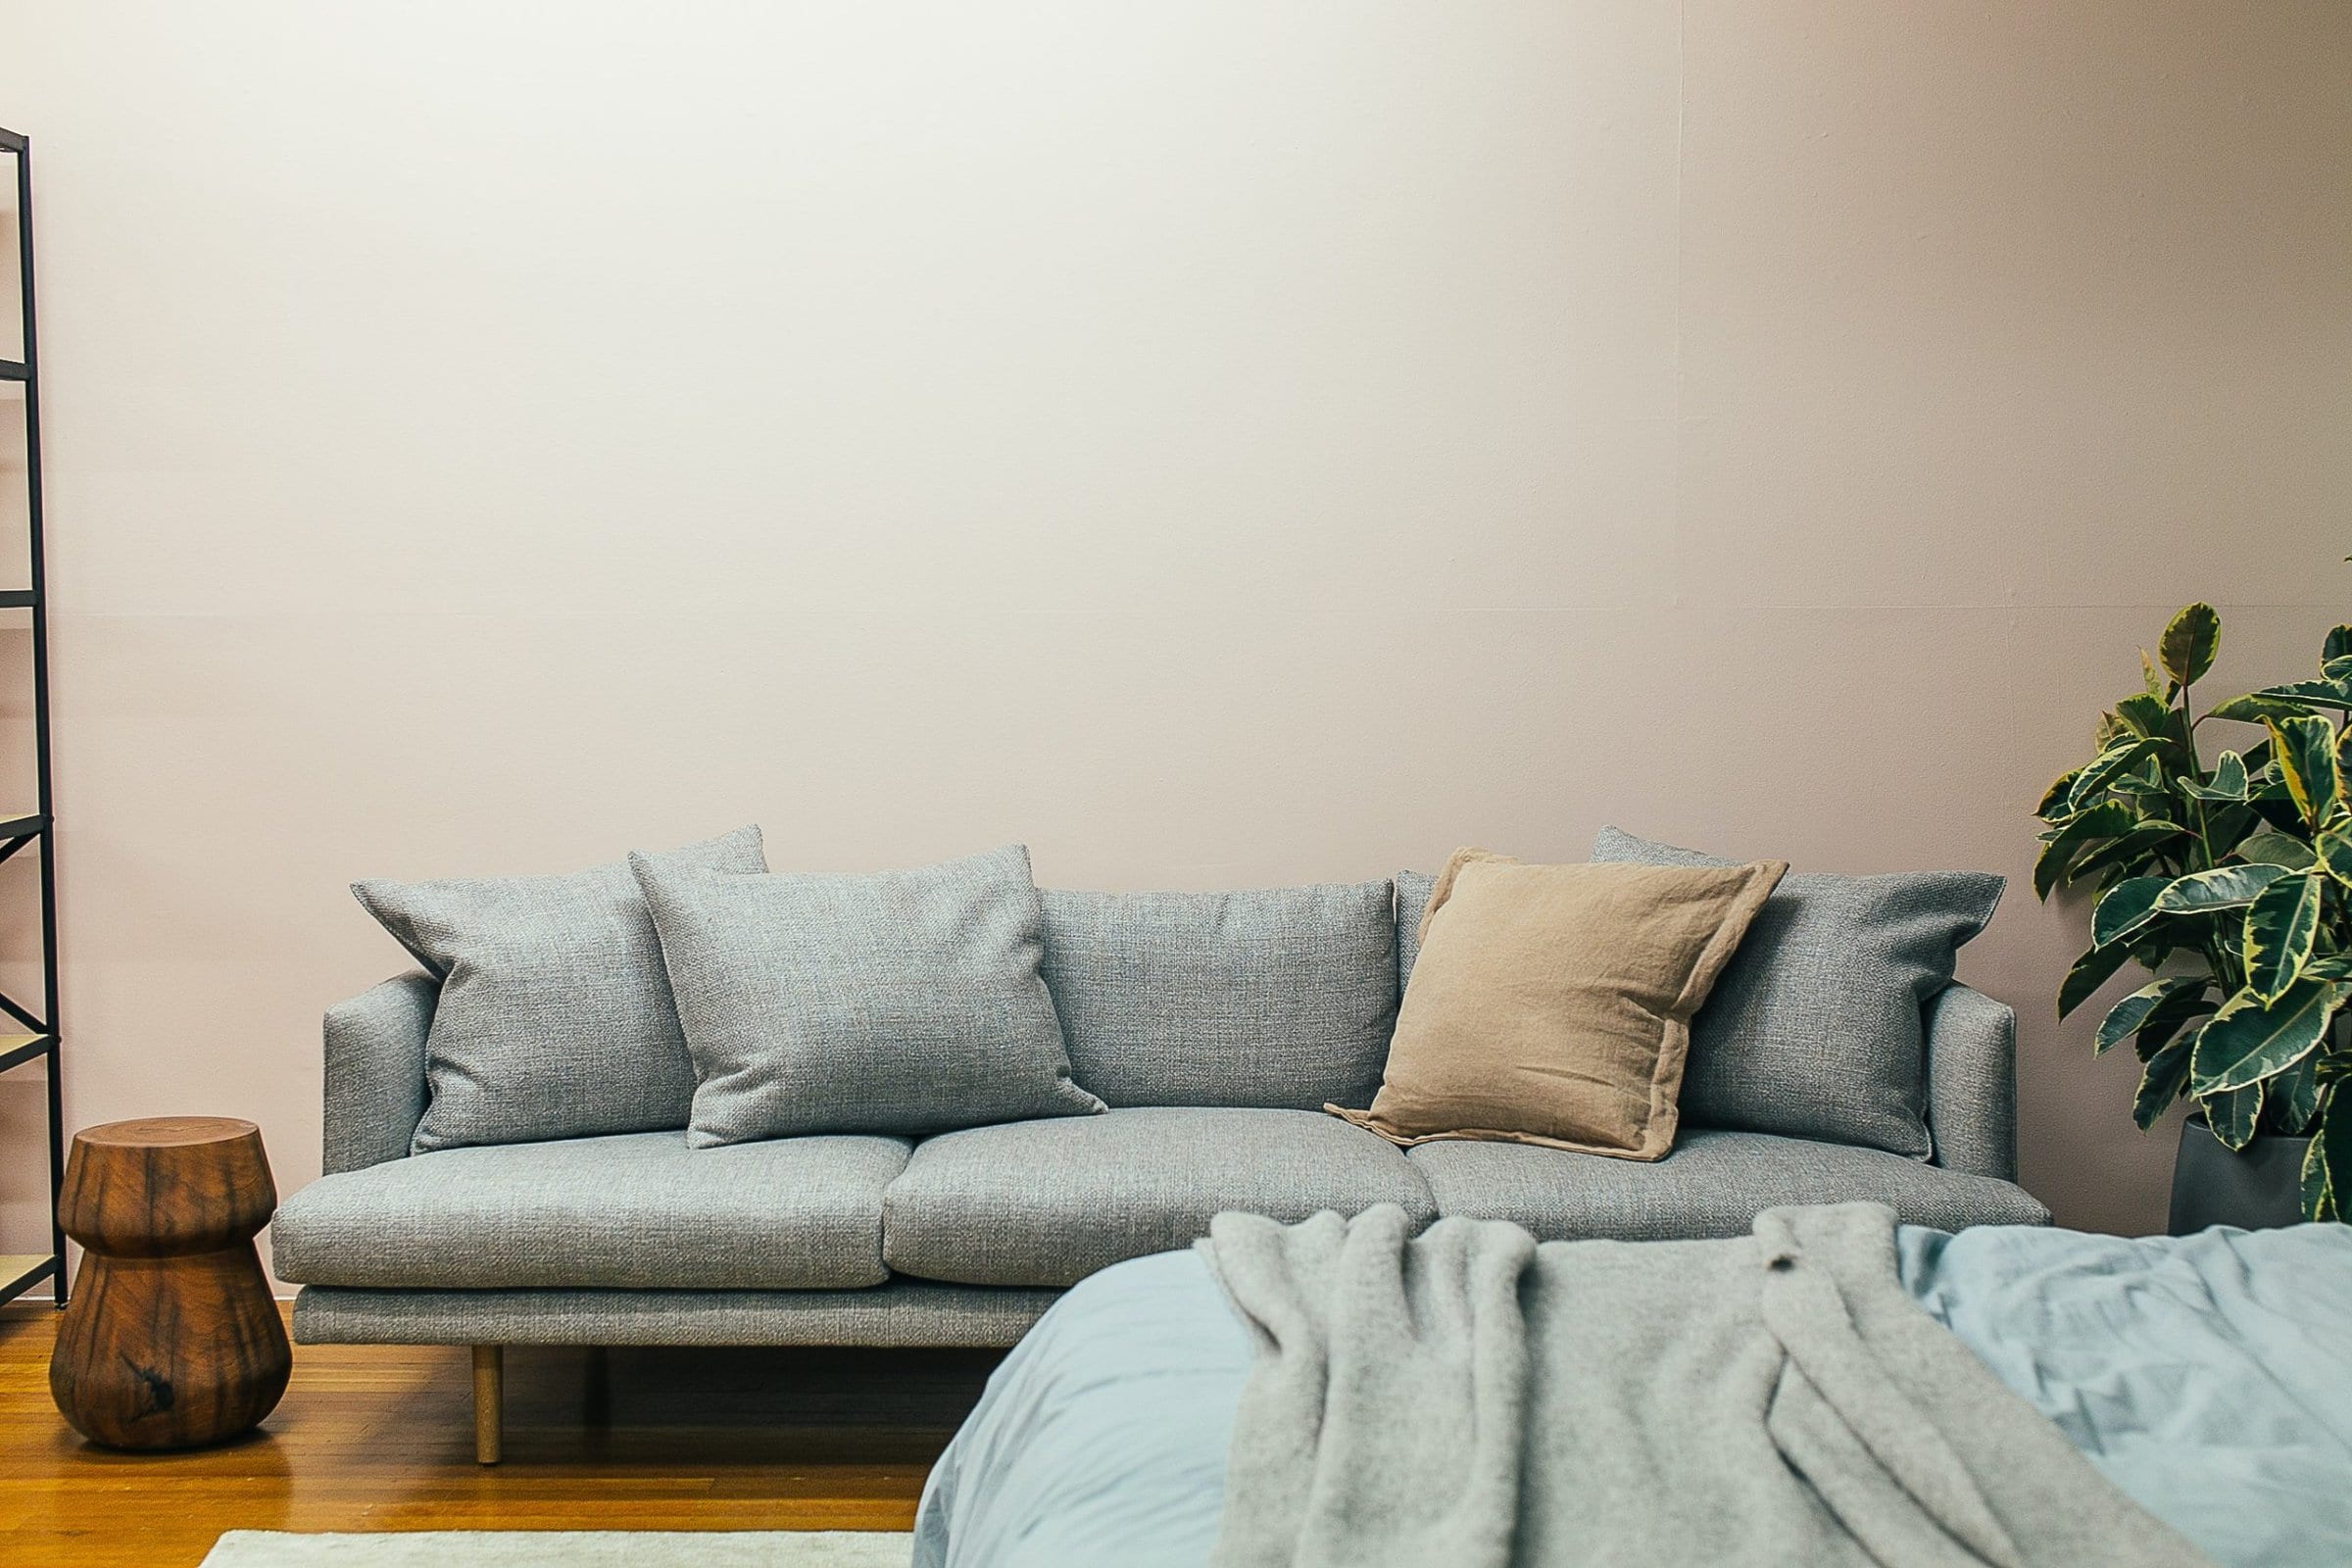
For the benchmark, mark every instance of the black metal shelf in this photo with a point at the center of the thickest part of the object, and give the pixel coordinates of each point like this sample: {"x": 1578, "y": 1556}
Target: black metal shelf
{"x": 17, "y": 1049}
{"x": 35, "y": 1269}
{"x": 39, "y": 1043}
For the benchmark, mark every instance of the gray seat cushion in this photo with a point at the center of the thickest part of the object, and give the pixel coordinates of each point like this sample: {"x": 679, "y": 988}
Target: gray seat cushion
{"x": 1048, "y": 1203}
{"x": 639, "y": 1210}
{"x": 1713, "y": 1184}
{"x": 1277, "y": 997}
{"x": 1814, "y": 1028}
{"x": 555, "y": 1017}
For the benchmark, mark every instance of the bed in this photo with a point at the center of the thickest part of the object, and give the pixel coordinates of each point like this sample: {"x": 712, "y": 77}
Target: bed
{"x": 2208, "y": 1378}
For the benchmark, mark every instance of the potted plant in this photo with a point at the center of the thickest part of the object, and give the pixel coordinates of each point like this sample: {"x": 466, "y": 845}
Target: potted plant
{"x": 2227, "y": 876}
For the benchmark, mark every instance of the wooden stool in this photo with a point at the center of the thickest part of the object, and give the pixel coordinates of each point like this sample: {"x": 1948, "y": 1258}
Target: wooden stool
{"x": 170, "y": 1338}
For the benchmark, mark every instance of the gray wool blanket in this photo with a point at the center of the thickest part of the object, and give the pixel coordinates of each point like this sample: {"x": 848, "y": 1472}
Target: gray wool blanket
{"x": 1469, "y": 1399}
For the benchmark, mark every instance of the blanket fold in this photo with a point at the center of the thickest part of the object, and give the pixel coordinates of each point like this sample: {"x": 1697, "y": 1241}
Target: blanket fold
{"x": 1468, "y": 1398}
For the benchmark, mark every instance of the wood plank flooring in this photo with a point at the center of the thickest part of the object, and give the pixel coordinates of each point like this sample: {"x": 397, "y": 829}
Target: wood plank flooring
{"x": 381, "y": 1438}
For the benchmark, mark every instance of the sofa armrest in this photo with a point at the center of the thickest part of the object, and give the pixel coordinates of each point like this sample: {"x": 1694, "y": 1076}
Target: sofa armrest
{"x": 376, "y": 1071}
{"x": 1972, "y": 1082}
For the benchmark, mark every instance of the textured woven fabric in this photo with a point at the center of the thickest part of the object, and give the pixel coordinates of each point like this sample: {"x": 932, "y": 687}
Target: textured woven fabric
{"x": 1280, "y": 997}
{"x": 640, "y": 1209}
{"x": 1048, "y": 1203}
{"x": 555, "y": 1020}
{"x": 1814, "y": 1028}
{"x": 896, "y": 1002}
{"x": 376, "y": 1071}
{"x": 1713, "y": 1184}
{"x": 1972, "y": 1083}
{"x": 910, "y": 1313}
{"x": 1413, "y": 889}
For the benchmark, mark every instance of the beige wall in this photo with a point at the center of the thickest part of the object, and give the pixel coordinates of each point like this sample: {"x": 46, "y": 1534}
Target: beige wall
{"x": 1217, "y": 442}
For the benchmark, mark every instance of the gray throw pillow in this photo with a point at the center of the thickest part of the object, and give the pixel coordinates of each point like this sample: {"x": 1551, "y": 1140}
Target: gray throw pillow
{"x": 1413, "y": 889}
{"x": 1814, "y": 1029}
{"x": 1277, "y": 997}
{"x": 555, "y": 1017}
{"x": 896, "y": 1002}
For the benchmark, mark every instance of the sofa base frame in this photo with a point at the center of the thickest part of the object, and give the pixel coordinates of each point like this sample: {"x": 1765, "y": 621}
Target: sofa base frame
{"x": 908, "y": 1314}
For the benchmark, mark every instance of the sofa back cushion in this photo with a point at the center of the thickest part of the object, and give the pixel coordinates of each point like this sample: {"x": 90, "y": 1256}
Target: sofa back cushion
{"x": 1281, "y": 997}
{"x": 1413, "y": 889}
{"x": 1816, "y": 1028}
{"x": 885, "y": 1002}
{"x": 555, "y": 1017}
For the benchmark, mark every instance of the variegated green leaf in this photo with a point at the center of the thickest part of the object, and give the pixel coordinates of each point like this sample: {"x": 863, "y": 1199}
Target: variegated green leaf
{"x": 2270, "y": 847}
{"x": 2127, "y": 850}
{"x": 2228, "y": 822}
{"x": 2169, "y": 1018}
{"x": 2127, "y": 1017}
{"x": 2256, "y": 707}
{"x": 2146, "y": 717}
{"x": 2295, "y": 1095}
{"x": 2105, "y": 769}
{"x": 2332, "y": 845}
{"x": 2153, "y": 680}
{"x": 2228, "y": 780}
{"x": 2227, "y": 887}
{"x": 2090, "y": 972}
{"x": 2251, "y": 1038}
{"x": 2281, "y": 924}
{"x": 2190, "y": 643}
{"x": 2337, "y": 668}
{"x": 2053, "y": 807}
{"x": 2162, "y": 1080}
{"x": 2103, "y": 820}
{"x": 2126, "y": 908}
{"x": 2234, "y": 1117}
{"x": 2315, "y": 693}
{"x": 2318, "y": 1194}
{"x": 2306, "y": 752}
{"x": 2327, "y": 1167}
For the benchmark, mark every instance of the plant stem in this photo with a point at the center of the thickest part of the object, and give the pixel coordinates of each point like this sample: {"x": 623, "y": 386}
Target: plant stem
{"x": 2196, "y": 772}
{"x": 2217, "y": 951}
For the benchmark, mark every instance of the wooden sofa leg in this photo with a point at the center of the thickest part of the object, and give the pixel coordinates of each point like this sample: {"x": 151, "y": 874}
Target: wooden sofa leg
{"x": 489, "y": 1402}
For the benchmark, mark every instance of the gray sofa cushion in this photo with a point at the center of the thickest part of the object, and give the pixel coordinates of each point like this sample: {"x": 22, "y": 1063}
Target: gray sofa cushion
{"x": 555, "y": 1017}
{"x": 1414, "y": 889}
{"x": 641, "y": 1210}
{"x": 1713, "y": 1184}
{"x": 1814, "y": 1028}
{"x": 1048, "y": 1203}
{"x": 1280, "y": 997}
{"x": 893, "y": 1002}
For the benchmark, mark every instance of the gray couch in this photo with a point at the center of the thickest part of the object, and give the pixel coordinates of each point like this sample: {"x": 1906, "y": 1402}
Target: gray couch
{"x": 1215, "y": 1026}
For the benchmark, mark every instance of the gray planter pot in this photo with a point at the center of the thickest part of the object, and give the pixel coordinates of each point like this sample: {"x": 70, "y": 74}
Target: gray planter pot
{"x": 2254, "y": 1190}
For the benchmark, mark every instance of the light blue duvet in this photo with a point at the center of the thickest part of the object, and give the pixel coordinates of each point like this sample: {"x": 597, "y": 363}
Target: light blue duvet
{"x": 2209, "y": 1376}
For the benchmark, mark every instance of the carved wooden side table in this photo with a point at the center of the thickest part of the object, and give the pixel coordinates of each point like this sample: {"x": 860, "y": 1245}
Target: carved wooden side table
{"x": 170, "y": 1338}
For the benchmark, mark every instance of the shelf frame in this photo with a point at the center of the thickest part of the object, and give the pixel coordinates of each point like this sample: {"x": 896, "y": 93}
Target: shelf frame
{"x": 18, "y": 1274}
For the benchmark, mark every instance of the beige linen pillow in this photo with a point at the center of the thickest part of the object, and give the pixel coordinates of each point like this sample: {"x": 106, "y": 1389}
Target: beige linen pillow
{"x": 1551, "y": 1003}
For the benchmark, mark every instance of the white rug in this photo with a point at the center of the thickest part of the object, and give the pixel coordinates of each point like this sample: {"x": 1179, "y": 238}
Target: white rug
{"x": 563, "y": 1548}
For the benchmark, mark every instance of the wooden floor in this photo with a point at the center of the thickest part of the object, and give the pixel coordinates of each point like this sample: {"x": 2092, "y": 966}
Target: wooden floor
{"x": 381, "y": 1438}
